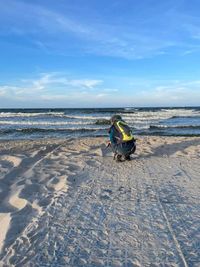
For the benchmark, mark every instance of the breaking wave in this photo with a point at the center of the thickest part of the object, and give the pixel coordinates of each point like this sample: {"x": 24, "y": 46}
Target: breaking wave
{"x": 174, "y": 127}
{"x": 60, "y": 122}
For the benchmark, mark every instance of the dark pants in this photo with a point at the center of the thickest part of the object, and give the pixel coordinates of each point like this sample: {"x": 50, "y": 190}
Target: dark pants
{"x": 125, "y": 148}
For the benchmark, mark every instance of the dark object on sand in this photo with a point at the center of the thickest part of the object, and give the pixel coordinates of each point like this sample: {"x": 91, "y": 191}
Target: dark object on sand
{"x": 122, "y": 140}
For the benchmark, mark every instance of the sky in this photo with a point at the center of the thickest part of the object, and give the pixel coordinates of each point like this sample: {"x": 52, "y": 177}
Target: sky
{"x": 99, "y": 53}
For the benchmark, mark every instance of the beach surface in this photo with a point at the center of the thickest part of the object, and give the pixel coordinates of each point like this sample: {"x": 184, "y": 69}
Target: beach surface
{"x": 68, "y": 203}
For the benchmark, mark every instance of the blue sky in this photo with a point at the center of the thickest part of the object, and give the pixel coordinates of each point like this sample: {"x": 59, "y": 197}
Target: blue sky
{"x": 99, "y": 53}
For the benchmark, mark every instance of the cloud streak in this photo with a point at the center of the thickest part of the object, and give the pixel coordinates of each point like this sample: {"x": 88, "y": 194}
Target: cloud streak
{"x": 131, "y": 36}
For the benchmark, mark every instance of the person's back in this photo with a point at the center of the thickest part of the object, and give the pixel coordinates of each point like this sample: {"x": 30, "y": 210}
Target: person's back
{"x": 121, "y": 138}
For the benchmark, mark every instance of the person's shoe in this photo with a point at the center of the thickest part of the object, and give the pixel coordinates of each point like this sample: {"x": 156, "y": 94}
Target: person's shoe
{"x": 119, "y": 158}
{"x": 128, "y": 158}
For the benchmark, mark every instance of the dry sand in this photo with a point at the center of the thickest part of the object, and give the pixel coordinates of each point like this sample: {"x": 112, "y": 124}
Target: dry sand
{"x": 67, "y": 203}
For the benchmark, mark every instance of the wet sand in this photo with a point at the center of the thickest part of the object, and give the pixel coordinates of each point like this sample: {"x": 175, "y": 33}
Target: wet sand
{"x": 68, "y": 203}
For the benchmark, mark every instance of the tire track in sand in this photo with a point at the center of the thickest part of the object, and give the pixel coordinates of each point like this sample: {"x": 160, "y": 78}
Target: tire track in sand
{"x": 179, "y": 208}
{"x": 165, "y": 216}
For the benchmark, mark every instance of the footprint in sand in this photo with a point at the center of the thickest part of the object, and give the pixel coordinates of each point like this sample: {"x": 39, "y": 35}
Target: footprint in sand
{"x": 93, "y": 163}
{"x": 17, "y": 202}
{"x": 15, "y": 161}
{"x": 73, "y": 167}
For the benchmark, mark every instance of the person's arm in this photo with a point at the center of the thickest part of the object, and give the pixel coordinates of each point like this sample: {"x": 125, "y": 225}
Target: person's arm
{"x": 112, "y": 137}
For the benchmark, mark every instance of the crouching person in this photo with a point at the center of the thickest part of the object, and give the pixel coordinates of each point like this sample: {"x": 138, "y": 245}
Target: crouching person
{"x": 122, "y": 141}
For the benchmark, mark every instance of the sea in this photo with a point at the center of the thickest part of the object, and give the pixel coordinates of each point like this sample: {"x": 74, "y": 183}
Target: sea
{"x": 63, "y": 123}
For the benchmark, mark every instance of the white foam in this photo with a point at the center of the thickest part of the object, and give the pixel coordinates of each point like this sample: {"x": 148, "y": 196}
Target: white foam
{"x": 159, "y": 115}
{"x": 83, "y": 117}
{"x": 24, "y": 114}
{"x": 10, "y": 122}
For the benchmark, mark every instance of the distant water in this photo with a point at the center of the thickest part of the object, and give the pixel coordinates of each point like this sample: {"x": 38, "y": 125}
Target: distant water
{"x": 45, "y": 123}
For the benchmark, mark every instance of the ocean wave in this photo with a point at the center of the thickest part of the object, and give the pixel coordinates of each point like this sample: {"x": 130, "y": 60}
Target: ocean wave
{"x": 31, "y": 114}
{"x": 195, "y": 116}
{"x": 7, "y": 122}
{"x": 161, "y": 133}
{"x": 156, "y": 121}
{"x": 129, "y": 114}
{"x": 43, "y": 130}
{"x": 161, "y": 114}
{"x": 83, "y": 117}
{"x": 102, "y": 122}
{"x": 51, "y": 114}
{"x": 174, "y": 127}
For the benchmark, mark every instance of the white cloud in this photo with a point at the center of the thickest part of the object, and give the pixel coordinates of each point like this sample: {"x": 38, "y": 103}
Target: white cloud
{"x": 41, "y": 83}
{"x": 170, "y": 93}
{"x": 84, "y": 83}
{"x": 101, "y": 95}
{"x": 57, "y": 79}
{"x": 50, "y": 87}
{"x": 110, "y": 90}
{"x": 3, "y": 91}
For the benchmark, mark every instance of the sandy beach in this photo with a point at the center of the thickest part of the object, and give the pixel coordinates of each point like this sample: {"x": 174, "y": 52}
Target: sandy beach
{"x": 68, "y": 203}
